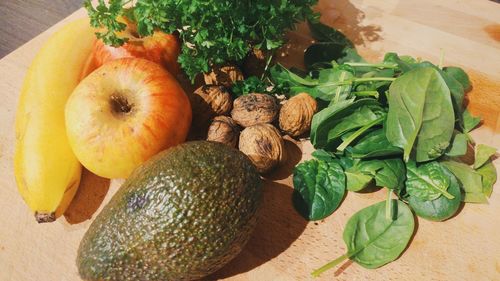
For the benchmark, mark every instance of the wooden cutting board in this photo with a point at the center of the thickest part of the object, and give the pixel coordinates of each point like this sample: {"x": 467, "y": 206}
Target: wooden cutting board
{"x": 285, "y": 246}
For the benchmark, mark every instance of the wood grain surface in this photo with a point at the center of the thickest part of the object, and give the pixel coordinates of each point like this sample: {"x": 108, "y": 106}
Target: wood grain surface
{"x": 284, "y": 245}
{"x": 21, "y": 20}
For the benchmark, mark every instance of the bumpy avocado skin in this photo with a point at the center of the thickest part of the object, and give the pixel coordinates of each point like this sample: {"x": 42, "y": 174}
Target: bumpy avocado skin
{"x": 180, "y": 216}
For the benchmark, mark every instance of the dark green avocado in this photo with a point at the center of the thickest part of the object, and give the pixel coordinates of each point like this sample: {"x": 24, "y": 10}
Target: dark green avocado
{"x": 180, "y": 216}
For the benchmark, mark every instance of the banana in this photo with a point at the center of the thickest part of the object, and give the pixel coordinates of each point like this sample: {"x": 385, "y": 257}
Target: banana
{"x": 47, "y": 171}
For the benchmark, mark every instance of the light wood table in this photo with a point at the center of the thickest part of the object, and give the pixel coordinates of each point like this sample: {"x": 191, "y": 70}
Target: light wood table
{"x": 285, "y": 246}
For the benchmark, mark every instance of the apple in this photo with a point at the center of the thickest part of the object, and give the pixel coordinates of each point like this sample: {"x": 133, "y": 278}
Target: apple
{"x": 123, "y": 113}
{"x": 160, "y": 47}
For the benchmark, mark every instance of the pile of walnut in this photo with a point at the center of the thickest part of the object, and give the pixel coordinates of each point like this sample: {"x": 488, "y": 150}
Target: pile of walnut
{"x": 251, "y": 121}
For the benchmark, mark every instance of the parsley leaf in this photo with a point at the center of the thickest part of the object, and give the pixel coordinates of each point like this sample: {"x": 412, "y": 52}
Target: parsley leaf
{"x": 213, "y": 31}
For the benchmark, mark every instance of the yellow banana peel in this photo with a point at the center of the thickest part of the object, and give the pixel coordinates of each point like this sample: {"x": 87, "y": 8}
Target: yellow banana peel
{"x": 46, "y": 169}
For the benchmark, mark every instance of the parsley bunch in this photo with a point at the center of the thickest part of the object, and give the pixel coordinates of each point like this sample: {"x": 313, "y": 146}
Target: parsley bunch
{"x": 213, "y": 31}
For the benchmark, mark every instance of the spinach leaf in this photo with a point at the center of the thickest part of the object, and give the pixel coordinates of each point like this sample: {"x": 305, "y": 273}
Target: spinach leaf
{"x": 469, "y": 122}
{"x": 356, "y": 180}
{"x": 372, "y": 240}
{"x": 460, "y": 75}
{"x": 374, "y": 144}
{"x": 333, "y": 46}
{"x": 324, "y": 33}
{"x": 482, "y": 154}
{"x": 458, "y": 146}
{"x": 331, "y": 123}
{"x": 470, "y": 181}
{"x": 456, "y": 89}
{"x": 322, "y": 154}
{"x": 489, "y": 177}
{"x": 321, "y": 184}
{"x": 441, "y": 208}
{"x": 388, "y": 173}
{"x": 291, "y": 84}
{"x": 420, "y": 114}
{"x": 331, "y": 91}
{"x": 392, "y": 175}
{"x": 457, "y": 93}
{"x": 404, "y": 63}
{"x": 428, "y": 181}
{"x": 328, "y": 52}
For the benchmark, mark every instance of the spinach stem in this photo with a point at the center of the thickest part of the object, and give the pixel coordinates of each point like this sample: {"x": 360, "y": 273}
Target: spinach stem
{"x": 349, "y": 82}
{"x": 441, "y": 59}
{"x": 388, "y": 205}
{"x": 360, "y": 131}
{"x": 368, "y": 79}
{"x": 376, "y": 65}
{"x": 332, "y": 264}
{"x": 366, "y": 94}
{"x": 339, "y": 89}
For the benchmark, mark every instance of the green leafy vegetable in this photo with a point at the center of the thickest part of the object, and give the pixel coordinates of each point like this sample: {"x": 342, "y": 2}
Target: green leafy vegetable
{"x": 470, "y": 181}
{"x": 332, "y": 122}
{"x": 428, "y": 181}
{"x": 333, "y": 91}
{"x": 250, "y": 85}
{"x": 482, "y": 154}
{"x": 460, "y": 75}
{"x": 103, "y": 15}
{"x": 404, "y": 63}
{"x": 212, "y": 31}
{"x": 388, "y": 173}
{"x": 332, "y": 46}
{"x": 469, "y": 122}
{"x": 321, "y": 184}
{"x": 457, "y": 92}
{"x": 357, "y": 180}
{"x": 489, "y": 177}
{"x": 285, "y": 81}
{"x": 458, "y": 146}
{"x": 323, "y": 33}
{"x": 421, "y": 115}
{"x": 441, "y": 208}
{"x": 372, "y": 240}
{"x": 374, "y": 144}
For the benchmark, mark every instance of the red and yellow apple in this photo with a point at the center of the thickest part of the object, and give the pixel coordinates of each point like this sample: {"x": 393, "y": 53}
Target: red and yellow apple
{"x": 123, "y": 113}
{"x": 160, "y": 47}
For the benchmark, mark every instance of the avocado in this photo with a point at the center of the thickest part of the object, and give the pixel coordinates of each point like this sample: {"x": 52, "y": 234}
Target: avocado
{"x": 182, "y": 215}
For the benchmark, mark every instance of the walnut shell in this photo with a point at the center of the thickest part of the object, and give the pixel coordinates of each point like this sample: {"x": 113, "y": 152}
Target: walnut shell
{"x": 208, "y": 102}
{"x": 223, "y": 129}
{"x": 296, "y": 114}
{"x": 253, "y": 109}
{"x": 224, "y": 75}
{"x": 263, "y": 144}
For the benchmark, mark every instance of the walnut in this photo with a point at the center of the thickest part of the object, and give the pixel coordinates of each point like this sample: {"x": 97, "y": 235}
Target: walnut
{"x": 209, "y": 101}
{"x": 296, "y": 114}
{"x": 252, "y": 109}
{"x": 224, "y": 75}
{"x": 263, "y": 144}
{"x": 223, "y": 129}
